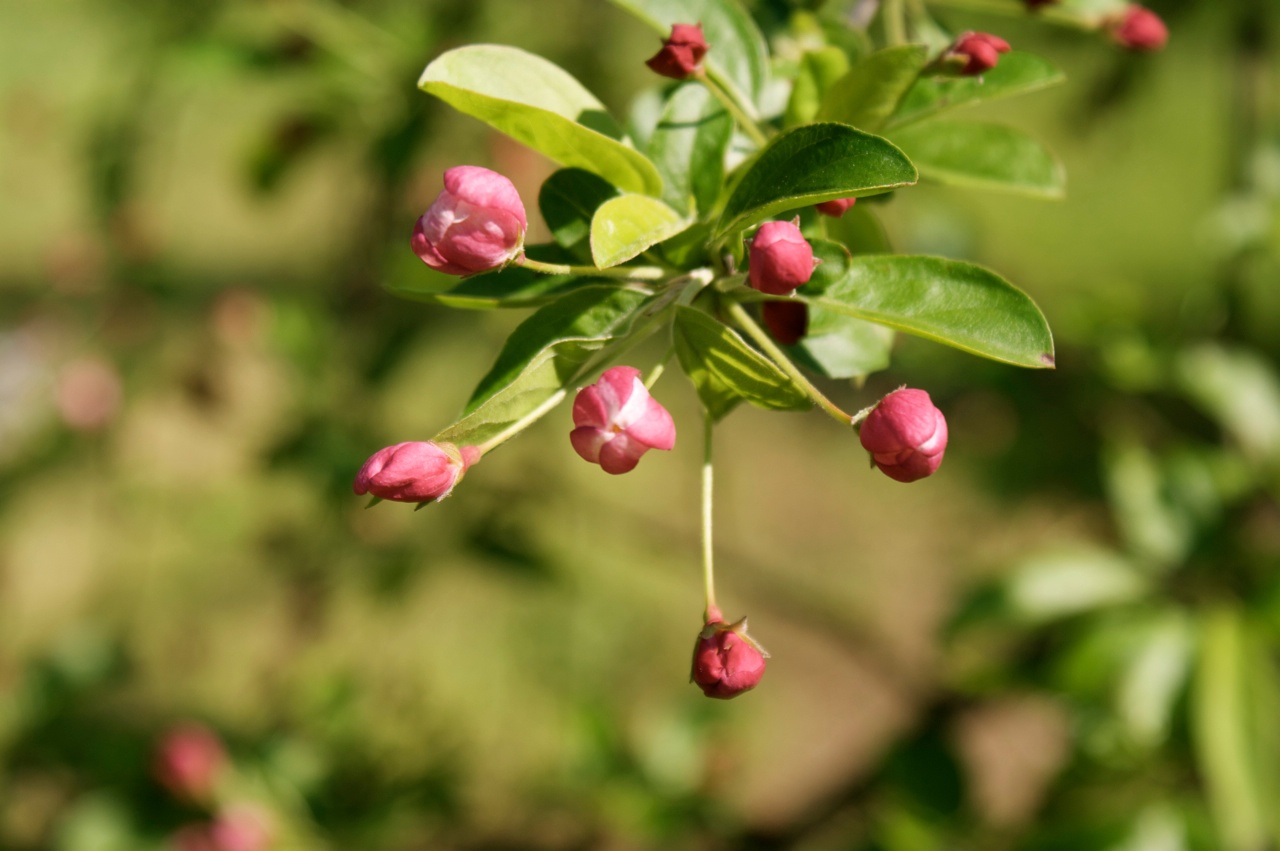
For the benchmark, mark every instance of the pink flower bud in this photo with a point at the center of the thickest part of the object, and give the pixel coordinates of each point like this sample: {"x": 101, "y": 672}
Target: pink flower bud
{"x": 835, "y": 208}
{"x": 1138, "y": 28}
{"x": 681, "y": 53}
{"x": 415, "y": 471}
{"x": 476, "y": 224}
{"x": 786, "y": 320}
{"x": 241, "y": 828}
{"x": 780, "y": 258}
{"x": 978, "y": 51}
{"x": 906, "y": 435}
{"x": 726, "y": 661}
{"x": 188, "y": 760}
{"x": 618, "y": 421}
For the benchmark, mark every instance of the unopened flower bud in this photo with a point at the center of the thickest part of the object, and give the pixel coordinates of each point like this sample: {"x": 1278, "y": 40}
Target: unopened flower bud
{"x": 681, "y": 53}
{"x": 726, "y": 660}
{"x": 978, "y": 52}
{"x": 786, "y": 320}
{"x": 780, "y": 258}
{"x": 188, "y": 761}
{"x": 476, "y": 224}
{"x": 906, "y": 435}
{"x": 1139, "y": 28}
{"x": 836, "y": 207}
{"x": 241, "y": 828}
{"x": 415, "y": 471}
{"x": 618, "y": 421}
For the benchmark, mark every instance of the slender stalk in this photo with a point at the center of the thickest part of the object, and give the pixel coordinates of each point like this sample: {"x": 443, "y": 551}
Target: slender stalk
{"x": 895, "y": 22}
{"x": 708, "y": 568}
{"x": 779, "y": 357}
{"x": 522, "y": 423}
{"x": 657, "y": 371}
{"x": 745, "y": 121}
{"x": 631, "y": 273}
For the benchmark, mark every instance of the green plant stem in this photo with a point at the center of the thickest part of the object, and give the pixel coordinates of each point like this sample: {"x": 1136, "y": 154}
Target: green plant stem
{"x": 630, "y": 273}
{"x": 895, "y": 23}
{"x": 745, "y": 121}
{"x": 779, "y": 357}
{"x": 708, "y": 567}
{"x": 522, "y": 423}
{"x": 1048, "y": 14}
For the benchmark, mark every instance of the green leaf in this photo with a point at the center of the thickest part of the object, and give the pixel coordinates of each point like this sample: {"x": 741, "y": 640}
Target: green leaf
{"x": 1015, "y": 74}
{"x": 812, "y": 164}
{"x": 1239, "y": 389}
{"x": 836, "y": 344}
{"x": 947, "y": 301}
{"x": 540, "y": 105}
{"x": 819, "y": 71}
{"x": 871, "y": 91}
{"x": 688, "y": 146}
{"x": 546, "y": 354}
{"x": 568, "y": 200}
{"x": 983, "y": 156}
{"x": 1058, "y": 584}
{"x": 626, "y": 225}
{"x": 514, "y": 286}
{"x": 725, "y": 370}
{"x": 738, "y": 54}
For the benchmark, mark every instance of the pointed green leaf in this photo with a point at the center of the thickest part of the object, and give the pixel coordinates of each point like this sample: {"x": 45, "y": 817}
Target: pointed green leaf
{"x": 983, "y": 156}
{"x": 540, "y": 105}
{"x": 568, "y": 200}
{"x": 725, "y": 370}
{"x": 688, "y": 146}
{"x": 626, "y": 225}
{"x": 1062, "y": 583}
{"x": 514, "y": 286}
{"x": 836, "y": 344}
{"x": 812, "y": 164}
{"x": 545, "y": 355}
{"x": 948, "y": 301}
{"x": 867, "y": 95}
{"x": 819, "y": 71}
{"x": 1015, "y": 74}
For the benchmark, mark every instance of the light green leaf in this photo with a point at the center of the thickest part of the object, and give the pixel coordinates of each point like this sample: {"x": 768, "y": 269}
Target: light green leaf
{"x": 624, "y": 226}
{"x": 1239, "y": 389}
{"x": 871, "y": 91}
{"x": 983, "y": 156}
{"x": 819, "y": 71}
{"x": 1053, "y": 585}
{"x": 514, "y": 286}
{"x": 948, "y": 301}
{"x": 836, "y": 344}
{"x": 1155, "y": 529}
{"x": 725, "y": 370}
{"x": 812, "y": 164}
{"x": 540, "y": 105}
{"x": 1154, "y": 676}
{"x": 568, "y": 200}
{"x": 545, "y": 355}
{"x": 1015, "y": 74}
{"x": 688, "y": 146}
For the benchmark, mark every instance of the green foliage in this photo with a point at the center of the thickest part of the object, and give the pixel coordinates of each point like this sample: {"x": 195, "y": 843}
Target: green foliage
{"x": 870, "y": 93}
{"x": 982, "y": 156}
{"x": 623, "y": 227}
{"x": 688, "y": 146}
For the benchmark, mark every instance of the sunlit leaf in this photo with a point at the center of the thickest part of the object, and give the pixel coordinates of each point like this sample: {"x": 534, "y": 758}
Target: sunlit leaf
{"x": 983, "y": 156}
{"x": 1015, "y": 74}
{"x": 688, "y": 147}
{"x": 623, "y": 227}
{"x": 867, "y": 95}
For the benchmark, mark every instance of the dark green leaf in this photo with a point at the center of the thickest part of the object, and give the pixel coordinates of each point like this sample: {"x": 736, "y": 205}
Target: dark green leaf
{"x": 983, "y": 156}
{"x": 1015, "y": 74}
{"x": 811, "y": 164}
{"x": 819, "y": 70}
{"x": 568, "y": 199}
{"x": 836, "y": 344}
{"x": 627, "y": 225}
{"x": 867, "y": 95}
{"x": 688, "y": 146}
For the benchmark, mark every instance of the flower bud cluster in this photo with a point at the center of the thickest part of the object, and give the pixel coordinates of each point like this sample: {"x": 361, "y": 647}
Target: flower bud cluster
{"x": 191, "y": 763}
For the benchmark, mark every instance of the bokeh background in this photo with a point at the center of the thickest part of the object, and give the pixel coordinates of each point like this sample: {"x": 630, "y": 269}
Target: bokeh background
{"x": 1066, "y": 639}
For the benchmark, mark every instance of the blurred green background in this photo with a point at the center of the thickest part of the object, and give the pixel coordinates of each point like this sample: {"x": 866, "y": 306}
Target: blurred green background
{"x": 1066, "y": 639}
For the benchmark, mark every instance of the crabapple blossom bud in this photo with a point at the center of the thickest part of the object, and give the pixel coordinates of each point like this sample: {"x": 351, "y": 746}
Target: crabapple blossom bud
{"x": 836, "y": 207}
{"x": 476, "y": 224}
{"x": 188, "y": 760}
{"x": 618, "y": 421}
{"x": 906, "y": 435}
{"x": 978, "y": 51}
{"x": 415, "y": 471}
{"x": 1138, "y": 28}
{"x": 240, "y": 828}
{"x": 786, "y": 320}
{"x": 780, "y": 258}
{"x": 726, "y": 660}
{"x": 681, "y": 53}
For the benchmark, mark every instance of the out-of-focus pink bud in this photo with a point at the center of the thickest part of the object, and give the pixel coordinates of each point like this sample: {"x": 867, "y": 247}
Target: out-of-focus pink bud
{"x": 241, "y": 828}
{"x": 681, "y": 53}
{"x": 88, "y": 394}
{"x": 476, "y": 224}
{"x": 415, "y": 471}
{"x": 786, "y": 320}
{"x": 726, "y": 660}
{"x": 906, "y": 435}
{"x": 978, "y": 51}
{"x": 193, "y": 837}
{"x": 1139, "y": 28}
{"x": 836, "y": 207}
{"x": 618, "y": 421}
{"x": 780, "y": 258}
{"x": 188, "y": 761}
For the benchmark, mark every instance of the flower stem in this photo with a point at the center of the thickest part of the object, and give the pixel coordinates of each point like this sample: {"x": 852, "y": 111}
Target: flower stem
{"x": 633, "y": 273}
{"x": 895, "y": 25}
{"x": 745, "y": 121}
{"x": 708, "y": 569}
{"x": 524, "y": 422}
{"x": 744, "y": 320}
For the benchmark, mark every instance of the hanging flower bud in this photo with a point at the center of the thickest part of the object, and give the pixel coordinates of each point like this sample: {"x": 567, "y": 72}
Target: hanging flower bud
{"x": 1138, "y": 28}
{"x": 415, "y": 471}
{"x": 681, "y": 53}
{"x": 475, "y": 225}
{"x": 188, "y": 761}
{"x": 975, "y": 52}
{"x": 726, "y": 660}
{"x": 835, "y": 208}
{"x": 786, "y": 320}
{"x": 780, "y": 258}
{"x": 906, "y": 435}
{"x": 618, "y": 421}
